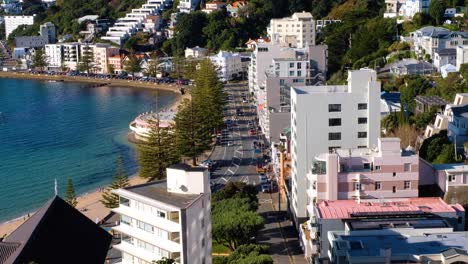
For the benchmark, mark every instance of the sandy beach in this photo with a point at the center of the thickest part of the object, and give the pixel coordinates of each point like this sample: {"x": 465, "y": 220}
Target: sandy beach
{"x": 89, "y": 203}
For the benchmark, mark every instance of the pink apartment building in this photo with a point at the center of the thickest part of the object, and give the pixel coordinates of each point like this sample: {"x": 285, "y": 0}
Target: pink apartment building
{"x": 384, "y": 172}
{"x": 102, "y": 55}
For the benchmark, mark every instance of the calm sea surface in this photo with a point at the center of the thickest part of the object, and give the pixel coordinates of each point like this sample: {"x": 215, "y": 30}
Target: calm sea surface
{"x": 60, "y": 130}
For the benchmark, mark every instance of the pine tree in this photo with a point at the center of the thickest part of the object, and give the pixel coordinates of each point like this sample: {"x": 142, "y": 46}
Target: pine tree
{"x": 110, "y": 199}
{"x": 193, "y": 135}
{"x": 39, "y": 60}
{"x": 132, "y": 65}
{"x": 157, "y": 152}
{"x": 70, "y": 196}
{"x": 153, "y": 67}
{"x": 86, "y": 62}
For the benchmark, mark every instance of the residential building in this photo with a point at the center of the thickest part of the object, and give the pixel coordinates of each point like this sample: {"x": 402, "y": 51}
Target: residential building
{"x": 355, "y": 107}
{"x": 31, "y": 41}
{"x": 102, "y": 53}
{"x": 416, "y": 68}
{"x": 447, "y": 69}
{"x": 428, "y": 40}
{"x": 187, "y": 6}
{"x": 63, "y": 55}
{"x": 13, "y": 22}
{"x": 289, "y": 67}
{"x": 196, "y": 52}
{"x": 295, "y": 31}
{"x": 445, "y": 56}
{"x": 229, "y": 65}
{"x": 462, "y": 56}
{"x": 56, "y": 233}
{"x": 454, "y": 119}
{"x": 48, "y": 30}
{"x": 393, "y": 8}
{"x": 449, "y": 176}
{"x": 412, "y": 7}
{"x": 398, "y": 245}
{"x": 376, "y": 217}
{"x": 213, "y": 6}
{"x": 116, "y": 62}
{"x": 427, "y": 103}
{"x": 152, "y": 24}
{"x": 169, "y": 218}
{"x": 252, "y": 43}
{"x": 319, "y": 24}
{"x": 235, "y": 8}
{"x": 389, "y": 103}
{"x": 384, "y": 172}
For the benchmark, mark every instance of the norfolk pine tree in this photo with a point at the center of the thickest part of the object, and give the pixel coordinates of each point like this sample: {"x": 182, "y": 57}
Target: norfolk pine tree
{"x": 110, "y": 199}
{"x": 153, "y": 67}
{"x": 86, "y": 61}
{"x": 39, "y": 59}
{"x": 70, "y": 196}
{"x": 133, "y": 65}
{"x": 157, "y": 152}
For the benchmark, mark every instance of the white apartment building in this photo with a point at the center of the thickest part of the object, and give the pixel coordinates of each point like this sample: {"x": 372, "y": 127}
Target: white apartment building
{"x": 13, "y": 22}
{"x": 428, "y": 40}
{"x": 229, "y": 65}
{"x": 315, "y": 111}
{"x": 295, "y": 31}
{"x": 196, "y": 52}
{"x": 187, "y": 6}
{"x": 169, "y": 218}
{"x": 134, "y": 21}
{"x": 462, "y": 56}
{"x": 412, "y": 7}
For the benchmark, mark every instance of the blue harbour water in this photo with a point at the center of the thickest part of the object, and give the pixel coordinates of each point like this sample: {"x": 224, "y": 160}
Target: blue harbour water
{"x": 60, "y": 130}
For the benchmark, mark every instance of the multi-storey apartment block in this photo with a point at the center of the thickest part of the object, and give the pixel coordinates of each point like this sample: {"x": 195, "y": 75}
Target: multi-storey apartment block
{"x": 295, "y": 31}
{"x": 187, "y": 6}
{"x": 169, "y": 218}
{"x": 384, "y": 172}
{"x": 229, "y": 65}
{"x": 324, "y": 118}
{"x": 13, "y": 22}
{"x": 462, "y": 56}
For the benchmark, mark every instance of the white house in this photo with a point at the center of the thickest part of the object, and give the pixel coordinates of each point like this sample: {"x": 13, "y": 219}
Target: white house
{"x": 324, "y": 118}
{"x": 412, "y": 7}
{"x": 169, "y": 218}
{"x": 187, "y": 6}
{"x": 229, "y": 65}
{"x": 445, "y": 56}
{"x": 462, "y": 56}
{"x": 428, "y": 40}
{"x": 295, "y": 31}
{"x": 13, "y": 22}
{"x": 196, "y": 52}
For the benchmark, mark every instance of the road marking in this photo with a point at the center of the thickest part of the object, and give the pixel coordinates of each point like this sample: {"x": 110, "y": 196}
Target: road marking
{"x": 229, "y": 170}
{"x": 224, "y": 179}
{"x": 264, "y": 201}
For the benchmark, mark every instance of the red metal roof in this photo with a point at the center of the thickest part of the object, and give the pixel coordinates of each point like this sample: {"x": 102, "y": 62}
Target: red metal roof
{"x": 343, "y": 209}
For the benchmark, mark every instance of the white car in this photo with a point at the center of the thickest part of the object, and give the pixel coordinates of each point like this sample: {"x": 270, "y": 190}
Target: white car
{"x": 263, "y": 179}
{"x": 230, "y": 143}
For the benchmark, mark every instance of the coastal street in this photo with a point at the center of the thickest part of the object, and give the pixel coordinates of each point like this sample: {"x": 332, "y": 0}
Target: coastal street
{"x": 235, "y": 155}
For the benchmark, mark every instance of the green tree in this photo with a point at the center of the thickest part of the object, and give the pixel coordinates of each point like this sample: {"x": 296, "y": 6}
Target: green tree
{"x": 153, "y": 67}
{"x": 164, "y": 260}
{"x": 234, "y": 224}
{"x": 86, "y": 63}
{"x": 70, "y": 196}
{"x": 157, "y": 152}
{"x": 110, "y": 199}
{"x": 110, "y": 69}
{"x": 132, "y": 65}
{"x": 192, "y": 136}
{"x": 246, "y": 254}
{"x": 446, "y": 155}
{"x": 238, "y": 190}
{"x": 189, "y": 32}
{"x": 39, "y": 60}
{"x": 437, "y": 10}
{"x": 438, "y": 149}
{"x": 423, "y": 119}
{"x": 415, "y": 85}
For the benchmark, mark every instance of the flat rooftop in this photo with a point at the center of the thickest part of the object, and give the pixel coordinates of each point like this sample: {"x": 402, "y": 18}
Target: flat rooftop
{"x": 344, "y": 209}
{"x": 401, "y": 244}
{"x": 454, "y": 167}
{"x": 403, "y": 221}
{"x": 158, "y": 191}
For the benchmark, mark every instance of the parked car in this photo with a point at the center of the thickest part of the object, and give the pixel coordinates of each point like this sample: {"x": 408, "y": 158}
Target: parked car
{"x": 265, "y": 188}
{"x": 263, "y": 179}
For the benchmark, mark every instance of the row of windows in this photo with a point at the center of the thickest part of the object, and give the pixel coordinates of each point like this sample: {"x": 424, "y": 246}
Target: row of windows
{"x": 337, "y": 121}
{"x": 337, "y": 135}
{"x": 378, "y": 186}
{"x": 337, "y": 107}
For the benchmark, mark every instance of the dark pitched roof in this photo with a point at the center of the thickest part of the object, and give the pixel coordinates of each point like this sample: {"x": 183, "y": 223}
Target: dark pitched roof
{"x": 58, "y": 233}
{"x": 447, "y": 52}
{"x": 158, "y": 191}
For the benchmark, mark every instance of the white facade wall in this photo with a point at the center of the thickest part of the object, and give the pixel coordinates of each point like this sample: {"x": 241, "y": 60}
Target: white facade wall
{"x": 462, "y": 56}
{"x": 229, "y": 65}
{"x": 187, "y": 6}
{"x": 296, "y": 31}
{"x": 13, "y": 22}
{"x": 310, "y": 125}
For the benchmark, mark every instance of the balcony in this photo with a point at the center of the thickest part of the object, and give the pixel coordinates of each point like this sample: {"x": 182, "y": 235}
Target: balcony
{"x": 153, "y": 220}
{"x": 143, "y": 253}
{"x": 147, "y": 237}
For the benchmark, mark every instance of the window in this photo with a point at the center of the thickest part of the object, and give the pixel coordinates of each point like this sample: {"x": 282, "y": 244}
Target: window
{"x": 362, "y": 120}
{"x": 334, "y": 108}
{"x": 147, "y": 227}
{"x": 203, "y": 242}
{"x": 332, "y": 149}
{"x": 361, "y": 147}
{"x": 366, "y": 166}
{"x": 125, "y": 219}
{"x": 299, "y": 65}
{"x": 291, "y": 73}
{"x": 362, "y": 134}
{"x": 203, "y": 223}
{"x": 334, "y": 136}
{"x": 407, "y": 185}
{"x": 394, "y": 174}
{"x": 124, "y": 201}
{"x": 334, "y": 122}
{"x": 378, "y": 186}
{"x": 291, "y": 65}
{"x": 407, "y": 167}
{"x": 161, "y": 214}
{"x": 357, "y": 186}
{"x": 362, "y": 106}
{"x": 281, "y": 81}
{"x": 299, "y": 73}
{"x": 451, "y": 178}
{"x": 394, "y": 189}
